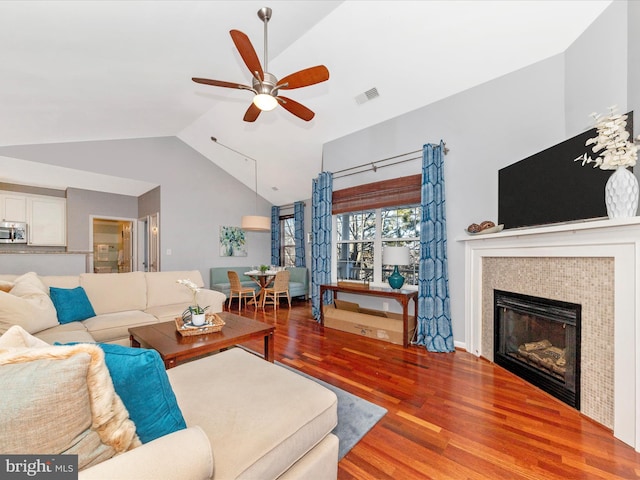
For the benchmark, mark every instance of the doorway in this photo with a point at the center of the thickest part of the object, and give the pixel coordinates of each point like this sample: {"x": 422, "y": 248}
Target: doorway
{"x": 148, "y": 245}
{"x": 113, "y": 242}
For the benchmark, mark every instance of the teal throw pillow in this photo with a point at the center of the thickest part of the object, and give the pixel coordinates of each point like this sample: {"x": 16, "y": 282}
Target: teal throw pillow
{"x": 72, "y": 304}
{"x": 141, "y": 381}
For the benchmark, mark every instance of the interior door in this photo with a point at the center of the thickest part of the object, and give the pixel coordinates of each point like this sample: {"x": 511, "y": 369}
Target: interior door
{"x": 154, "y": 242}
{"x": 148, "y": 245}
{"x": 141, "y": 244}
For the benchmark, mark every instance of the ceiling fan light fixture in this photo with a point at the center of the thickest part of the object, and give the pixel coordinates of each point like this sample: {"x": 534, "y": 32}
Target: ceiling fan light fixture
{"x": 265, "y": 102}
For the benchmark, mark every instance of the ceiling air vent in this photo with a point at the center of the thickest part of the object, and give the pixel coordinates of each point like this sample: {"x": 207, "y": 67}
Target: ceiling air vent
{"x": 368, "y": 95}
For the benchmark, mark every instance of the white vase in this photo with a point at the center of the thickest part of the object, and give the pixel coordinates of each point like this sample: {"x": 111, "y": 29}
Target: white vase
{"x": 198, "y": 319}
{"x": 621, "y": 194}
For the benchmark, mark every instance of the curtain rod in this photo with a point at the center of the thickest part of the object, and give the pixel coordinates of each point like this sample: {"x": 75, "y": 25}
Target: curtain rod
{"x": 374, "y": 167}
{"x": 291, "y": 205}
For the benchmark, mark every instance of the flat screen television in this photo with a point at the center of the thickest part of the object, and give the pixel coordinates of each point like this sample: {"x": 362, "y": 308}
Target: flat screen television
{"x": 550, "y": 187}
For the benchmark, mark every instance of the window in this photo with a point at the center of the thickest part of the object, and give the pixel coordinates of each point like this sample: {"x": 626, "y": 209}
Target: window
{"x": 356, "y": 233}
{"x": 361, "y": 236}
{"x": 288, "y": 239}
{"x": 401, "y": 228}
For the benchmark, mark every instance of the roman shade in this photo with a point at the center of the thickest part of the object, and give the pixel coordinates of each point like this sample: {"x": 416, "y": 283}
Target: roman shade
{"x": 387, "y": 193}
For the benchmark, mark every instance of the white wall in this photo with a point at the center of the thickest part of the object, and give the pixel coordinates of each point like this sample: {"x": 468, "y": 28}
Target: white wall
{"x": 494, "y": 125}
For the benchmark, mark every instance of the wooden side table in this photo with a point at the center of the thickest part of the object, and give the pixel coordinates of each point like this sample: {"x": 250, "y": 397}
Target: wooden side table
{"x": 402, "y": 296}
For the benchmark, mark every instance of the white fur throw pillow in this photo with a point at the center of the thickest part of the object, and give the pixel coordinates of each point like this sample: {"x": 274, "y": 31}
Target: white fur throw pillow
{"x": 78, "y": 413}
{"x": 28, "y": 304}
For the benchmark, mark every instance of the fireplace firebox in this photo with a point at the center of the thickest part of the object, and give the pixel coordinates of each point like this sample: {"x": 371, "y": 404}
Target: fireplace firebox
{"x": 538, "y": 339}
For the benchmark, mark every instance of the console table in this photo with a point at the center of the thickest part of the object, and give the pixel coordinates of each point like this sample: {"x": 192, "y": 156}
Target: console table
{"x": 402, "y": 296}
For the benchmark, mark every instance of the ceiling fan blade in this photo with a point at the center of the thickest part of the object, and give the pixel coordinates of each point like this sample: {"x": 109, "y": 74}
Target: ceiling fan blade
{"x": 218, "y": 83}
{"x": 304, "y": 78}
{"x": 252, "y": 113}
{"x": 296, "y": 108}
{"x": 247, "y": 52}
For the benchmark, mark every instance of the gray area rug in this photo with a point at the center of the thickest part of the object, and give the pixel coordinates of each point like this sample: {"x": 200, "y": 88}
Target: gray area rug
{"x": 356, "y": 416}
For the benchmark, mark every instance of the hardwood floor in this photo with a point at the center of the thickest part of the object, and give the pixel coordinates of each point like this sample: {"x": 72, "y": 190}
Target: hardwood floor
{"x": 450, "y": 416}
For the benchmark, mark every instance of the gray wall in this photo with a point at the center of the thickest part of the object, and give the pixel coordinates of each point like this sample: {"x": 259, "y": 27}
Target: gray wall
{"x": 196, "y": 196}
{"x": 496, "y": 124}
{"x": 486, "y": 128}
{"x": 82, "y": 204}
{"x": 149, "y": 203}
{"x": 596, "y": 70}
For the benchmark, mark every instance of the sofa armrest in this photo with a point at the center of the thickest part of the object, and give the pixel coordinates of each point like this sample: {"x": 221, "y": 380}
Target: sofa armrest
{"x": 185, "y": 454}
{"x": 213, "y": 298}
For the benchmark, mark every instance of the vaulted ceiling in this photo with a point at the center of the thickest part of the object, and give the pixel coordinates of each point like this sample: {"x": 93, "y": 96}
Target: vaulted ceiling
{"x": 75, "y": 71}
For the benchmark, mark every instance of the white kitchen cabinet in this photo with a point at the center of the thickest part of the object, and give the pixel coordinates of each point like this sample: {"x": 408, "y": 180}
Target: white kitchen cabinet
{"x": 13, "y": 207}
{"x": 47, "y": 219}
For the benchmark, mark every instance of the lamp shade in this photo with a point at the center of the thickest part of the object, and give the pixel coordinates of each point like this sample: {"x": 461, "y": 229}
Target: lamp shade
{"x": 265, "y": 102}
{"x": 256, "y": 223}
{"x": 395, "y": 255}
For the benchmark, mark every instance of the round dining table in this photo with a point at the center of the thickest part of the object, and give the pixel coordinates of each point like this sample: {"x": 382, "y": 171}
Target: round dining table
{"x": 263, "y": 279}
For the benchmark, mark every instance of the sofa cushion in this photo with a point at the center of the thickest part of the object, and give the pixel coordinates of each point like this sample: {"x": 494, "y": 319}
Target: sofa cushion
{"x": 141, "y": 381}
{"x": 227, "y": 414}
{"x": 297, "y": 289}
{"x": 57, "y": 335}
{"x": 115, "y": 292}
{"x": 166, "y": 313}
{"x": 61, "y": 281}
{"x": 114, "y": 326}
{"x": 28, "y": 304}
{"x": 78, "y": 414}
{"x": 72, "y": 304}
{"x": 163, "y": 289}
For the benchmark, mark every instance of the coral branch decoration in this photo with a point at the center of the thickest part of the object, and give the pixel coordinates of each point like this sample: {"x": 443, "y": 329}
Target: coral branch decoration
{"x": 612, "y": 144}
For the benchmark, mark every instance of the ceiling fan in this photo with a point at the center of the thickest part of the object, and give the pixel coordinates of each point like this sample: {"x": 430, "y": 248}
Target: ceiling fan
{"x": 265, "y": 85}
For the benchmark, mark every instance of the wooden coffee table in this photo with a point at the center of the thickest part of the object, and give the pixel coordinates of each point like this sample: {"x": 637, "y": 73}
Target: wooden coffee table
{"x": 175, "y": 348}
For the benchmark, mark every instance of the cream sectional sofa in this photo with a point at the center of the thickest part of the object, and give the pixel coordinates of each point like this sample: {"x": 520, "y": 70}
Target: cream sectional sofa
{"x": 120, "y": 301}
{"x": 245, "y": 418}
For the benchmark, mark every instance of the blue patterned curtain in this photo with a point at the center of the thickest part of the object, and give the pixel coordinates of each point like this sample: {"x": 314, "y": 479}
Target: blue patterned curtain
{"x": 434, "y": 314}
{"x": 321, "y": 234}
{"x": 275, "y": 235}
{"x": 298, "y": 218}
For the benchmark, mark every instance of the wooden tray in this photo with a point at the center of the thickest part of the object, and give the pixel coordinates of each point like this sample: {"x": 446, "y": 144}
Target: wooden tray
{"x": 213, "y": 324}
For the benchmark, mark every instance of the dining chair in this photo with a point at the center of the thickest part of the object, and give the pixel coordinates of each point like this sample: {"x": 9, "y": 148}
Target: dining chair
{"x": 280, "y": 288}
{"x": 236, "y": 289}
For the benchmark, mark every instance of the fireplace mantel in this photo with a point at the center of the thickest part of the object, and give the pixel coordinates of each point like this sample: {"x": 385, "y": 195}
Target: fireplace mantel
{"x": 611, "y": 238}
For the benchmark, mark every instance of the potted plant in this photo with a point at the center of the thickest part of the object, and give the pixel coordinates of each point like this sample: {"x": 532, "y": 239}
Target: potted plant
{"x": 195, "y": 313}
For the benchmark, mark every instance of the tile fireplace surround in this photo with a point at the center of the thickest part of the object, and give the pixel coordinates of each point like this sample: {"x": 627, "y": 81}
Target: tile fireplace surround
{"x": 595, "y": 263}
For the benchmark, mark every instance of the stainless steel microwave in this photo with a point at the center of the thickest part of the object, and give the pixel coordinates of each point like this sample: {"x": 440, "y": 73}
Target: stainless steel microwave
{"x": 13, "y": 232}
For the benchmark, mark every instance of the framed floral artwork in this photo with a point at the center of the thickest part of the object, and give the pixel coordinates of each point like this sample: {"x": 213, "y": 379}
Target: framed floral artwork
{"x": 232, "y": 242}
